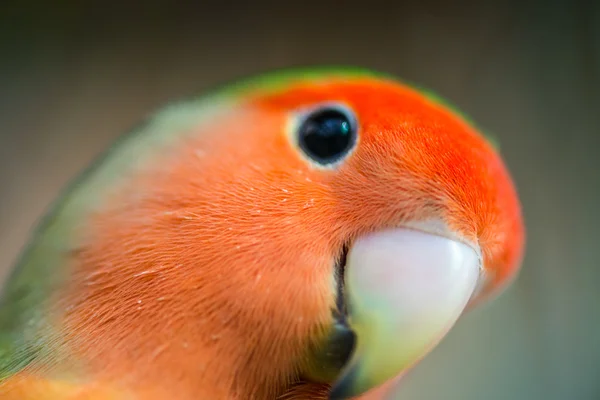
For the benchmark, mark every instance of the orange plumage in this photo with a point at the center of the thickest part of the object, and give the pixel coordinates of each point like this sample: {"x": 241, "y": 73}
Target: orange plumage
{"x": 207, "y": 269}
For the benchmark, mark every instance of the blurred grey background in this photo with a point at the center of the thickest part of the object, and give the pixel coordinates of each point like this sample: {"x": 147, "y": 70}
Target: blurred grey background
{"x": 75, "y": 75}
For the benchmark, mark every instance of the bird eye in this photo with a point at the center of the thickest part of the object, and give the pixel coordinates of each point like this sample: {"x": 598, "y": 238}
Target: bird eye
{"x": 327, "y": 134}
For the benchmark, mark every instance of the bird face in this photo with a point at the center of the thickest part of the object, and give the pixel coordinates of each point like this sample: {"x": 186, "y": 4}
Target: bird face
{"x": 326, "y": 230}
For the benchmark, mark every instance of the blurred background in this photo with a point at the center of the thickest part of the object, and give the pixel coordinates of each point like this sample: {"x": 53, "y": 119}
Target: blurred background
{"x": 75, "y": 75}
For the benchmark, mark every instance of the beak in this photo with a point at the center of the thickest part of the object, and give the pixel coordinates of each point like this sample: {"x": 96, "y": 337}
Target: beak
{"x": 404, "y": 290}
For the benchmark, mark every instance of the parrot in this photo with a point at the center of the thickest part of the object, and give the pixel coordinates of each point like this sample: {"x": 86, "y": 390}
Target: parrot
{"x": 302, "y": 233}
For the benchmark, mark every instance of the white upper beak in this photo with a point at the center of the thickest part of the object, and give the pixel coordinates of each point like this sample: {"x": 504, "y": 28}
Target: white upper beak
{"x": 405, "y": 289}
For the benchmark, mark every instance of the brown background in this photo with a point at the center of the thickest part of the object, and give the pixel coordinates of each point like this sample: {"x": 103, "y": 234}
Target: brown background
{"x": 75, "y": 75}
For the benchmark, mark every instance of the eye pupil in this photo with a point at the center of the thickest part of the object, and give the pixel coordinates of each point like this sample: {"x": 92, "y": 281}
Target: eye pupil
{"x": 327, "y": 135}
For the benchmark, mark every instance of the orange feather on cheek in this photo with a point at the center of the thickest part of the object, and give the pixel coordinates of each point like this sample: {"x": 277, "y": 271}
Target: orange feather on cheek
{"x": 213, "y": 264}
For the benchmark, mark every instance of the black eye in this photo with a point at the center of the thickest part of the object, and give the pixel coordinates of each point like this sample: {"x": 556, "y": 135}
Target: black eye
{"x": 327, "y": 134}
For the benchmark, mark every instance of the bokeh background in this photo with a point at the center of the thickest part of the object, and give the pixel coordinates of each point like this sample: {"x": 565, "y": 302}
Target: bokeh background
{"x": 75, "y": 75}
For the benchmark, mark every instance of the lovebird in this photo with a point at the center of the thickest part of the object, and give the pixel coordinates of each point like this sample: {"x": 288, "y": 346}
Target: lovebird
{"x": 309, "y": 233}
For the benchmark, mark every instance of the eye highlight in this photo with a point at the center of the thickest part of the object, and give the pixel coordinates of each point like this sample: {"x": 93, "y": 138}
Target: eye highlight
{"x": 326, "y": 134}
